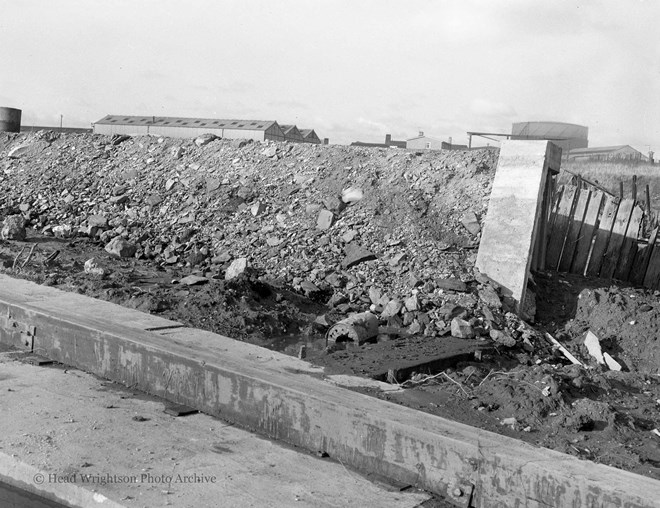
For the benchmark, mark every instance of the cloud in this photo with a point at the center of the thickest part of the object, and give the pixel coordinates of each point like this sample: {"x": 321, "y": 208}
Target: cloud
{"x": 484, "y": 107}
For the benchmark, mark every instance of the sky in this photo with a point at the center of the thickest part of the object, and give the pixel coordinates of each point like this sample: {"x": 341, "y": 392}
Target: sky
{"x": 350, "y": 69}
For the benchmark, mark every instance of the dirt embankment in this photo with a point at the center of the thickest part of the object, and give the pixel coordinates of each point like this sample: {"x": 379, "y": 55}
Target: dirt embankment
{"x": 327, "y": 231}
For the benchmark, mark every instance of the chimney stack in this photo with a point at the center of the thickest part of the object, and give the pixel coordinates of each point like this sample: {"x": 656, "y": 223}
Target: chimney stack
{"x": 421, "y": 134}
{"x": 388, "y": 139}
{"x": 326, "y": 141}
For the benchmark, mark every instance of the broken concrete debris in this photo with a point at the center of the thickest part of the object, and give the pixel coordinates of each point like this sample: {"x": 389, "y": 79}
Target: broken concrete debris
{"x": 358, "y": 328}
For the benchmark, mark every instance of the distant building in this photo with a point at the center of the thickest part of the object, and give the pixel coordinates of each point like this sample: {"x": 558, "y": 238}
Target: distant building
{"x": 453, "y": 146}
{"x": 309, "y": 136}
{"x": 389, "y": 143}
{"x": 179, "y": 127}
{"x": 291, "y": 133}
{"x": 607, "y": 153}
{"x": 423, "y": 142}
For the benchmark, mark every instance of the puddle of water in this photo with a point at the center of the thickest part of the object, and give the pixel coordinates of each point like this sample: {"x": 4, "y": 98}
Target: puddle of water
{"x": 10, "y": 496}
{"x": 291, "y": 344}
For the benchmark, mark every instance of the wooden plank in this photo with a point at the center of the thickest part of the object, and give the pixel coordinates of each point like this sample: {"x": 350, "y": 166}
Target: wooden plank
{"x": 560, "y": 227}
{"x": 556, "y": 199}
{"x": 613, "y": 251}
{"x": 586, "y": 233}
{"x": 286, "y": 398}
{"x": 629, "y": 246}
{"x": 602, "y": 236}
{"x": 634, "y": 188}
{"x": 652, "y": 275}
{"x": 574, "y": 229}
{"x": 642, "y": 258}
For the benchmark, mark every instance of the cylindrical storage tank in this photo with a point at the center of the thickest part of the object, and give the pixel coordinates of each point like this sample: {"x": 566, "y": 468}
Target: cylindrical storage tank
{"x": 10, "y": 120}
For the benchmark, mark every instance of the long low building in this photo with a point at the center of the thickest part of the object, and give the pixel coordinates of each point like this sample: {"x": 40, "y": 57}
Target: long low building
{"x": 179, "y": 127}
{"x": 605, "y": 153}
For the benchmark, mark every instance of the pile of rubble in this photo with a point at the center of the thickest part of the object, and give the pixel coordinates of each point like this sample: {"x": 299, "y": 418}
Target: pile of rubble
{"x": 358, "y": 229}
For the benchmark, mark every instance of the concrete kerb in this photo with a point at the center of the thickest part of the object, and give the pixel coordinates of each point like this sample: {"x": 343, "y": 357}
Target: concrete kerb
{"x": 28, "y": 478}
{"x": 288, "y": 399}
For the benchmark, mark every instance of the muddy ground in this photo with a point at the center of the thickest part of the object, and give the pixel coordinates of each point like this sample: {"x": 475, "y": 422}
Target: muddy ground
{"x": 190, "y": 209}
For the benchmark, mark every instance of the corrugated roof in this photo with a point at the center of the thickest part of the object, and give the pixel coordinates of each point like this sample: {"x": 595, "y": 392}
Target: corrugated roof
{"x": 286, "y": 129}
{"x": 175, "y": 121}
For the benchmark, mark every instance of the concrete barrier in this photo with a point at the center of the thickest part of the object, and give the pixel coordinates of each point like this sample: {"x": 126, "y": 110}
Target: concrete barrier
{"x": 288, "y": 399}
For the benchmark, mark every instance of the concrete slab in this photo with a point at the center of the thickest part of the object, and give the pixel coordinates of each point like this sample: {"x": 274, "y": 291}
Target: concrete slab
{"x": 283, "y": 399}
{"x": 514, "y": 213}
{"x": 87, "y": 442}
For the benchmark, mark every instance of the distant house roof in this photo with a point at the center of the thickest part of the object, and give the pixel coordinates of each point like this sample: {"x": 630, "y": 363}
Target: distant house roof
{"x": 308, "y": 132}
{"x": 290, "y": 130}
{"x": 175, "y": 121}
{"x": 424, "y": 137}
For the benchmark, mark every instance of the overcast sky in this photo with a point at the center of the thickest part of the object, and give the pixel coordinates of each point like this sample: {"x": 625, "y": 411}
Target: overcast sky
{"x": 350, "y": 69}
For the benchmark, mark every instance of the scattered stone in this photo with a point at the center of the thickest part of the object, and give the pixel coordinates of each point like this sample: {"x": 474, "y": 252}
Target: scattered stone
{"x": 97, "y": 221}
{"x": 121, "y": 248}
{"x": 611, "y": 362}
{"x": 356, "y": 254}
{"x": 398, "y": 258}
{"x": 412, "y": 303}
{"x": 13, "y": 228}
{"x": 271, "y": 151}
{"x": 63, "y": 231}
{"x": 349, "y": 236}
{"x": 592, "y": 343}
{"x": 502, "y": 338}
{"x": 16, "y": 152}
{"x": 392, "y": 308}
{"x": 351, "y": 195}
{"x": 258, "y": 208}
{"x": 193, "y": 280}
{"x": 461, "y": 329}
{"x": 451, "y": 284}
{"x": 490, "y": 297}
{"x": 93, "y": 268}
{"x": 205, "y": 139}
{"x": 471, "y": 223}
{"x": 325, "y": 220}
{"x": 236, "y": 268}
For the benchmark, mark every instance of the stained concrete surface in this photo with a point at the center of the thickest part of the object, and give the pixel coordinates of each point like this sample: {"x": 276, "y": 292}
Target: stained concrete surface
{"x": 82, "y": 433}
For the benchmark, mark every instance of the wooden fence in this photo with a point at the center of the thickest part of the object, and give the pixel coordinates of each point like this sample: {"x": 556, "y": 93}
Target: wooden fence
{"x": 595, "y": 233}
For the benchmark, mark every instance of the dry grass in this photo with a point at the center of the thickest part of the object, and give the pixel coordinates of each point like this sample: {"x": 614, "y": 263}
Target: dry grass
{"x": 608, "y": 175}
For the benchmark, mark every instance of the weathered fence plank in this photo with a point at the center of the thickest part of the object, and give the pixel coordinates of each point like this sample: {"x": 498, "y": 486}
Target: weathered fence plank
{"x": 641, "y": 263}
{"x": 652, "y": 277}
{"x": 602, "y": 236}
{"x": 613, "y": 252}
{"x": 586, "y": 233}
{"x": 574, "y": 229}
{"x": 560, "y": 227}
{"x": 629, "y": 246}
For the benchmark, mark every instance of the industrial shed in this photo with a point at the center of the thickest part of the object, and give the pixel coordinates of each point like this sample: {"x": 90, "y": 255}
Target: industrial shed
{"x": 178, "y": 127}
{"x": 310, "y": 136}
{"x": 291, "y": 133}
{"x": 607, "y": 153}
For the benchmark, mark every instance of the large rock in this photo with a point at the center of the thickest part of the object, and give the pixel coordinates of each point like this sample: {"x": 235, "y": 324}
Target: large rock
{"x": 121, "y": 248}
{"x": 13, "y": 228}
{"x": 356, "y": 254}
{"x": 461, "y": 329}
{"x": 236, "y": 268}
{"x": 325, "y": 220}
{"x": 471, "y": 223}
